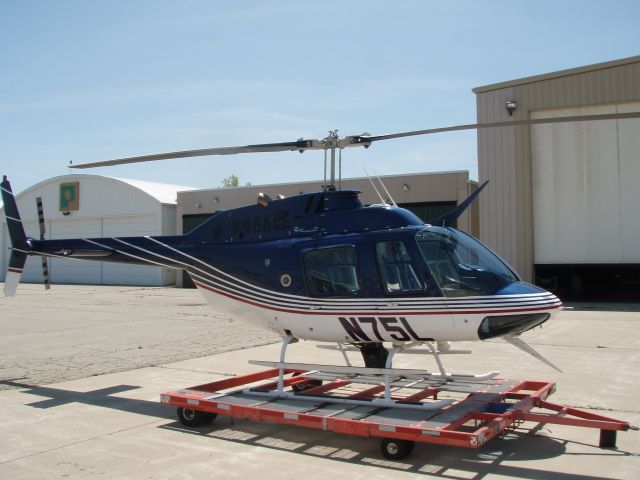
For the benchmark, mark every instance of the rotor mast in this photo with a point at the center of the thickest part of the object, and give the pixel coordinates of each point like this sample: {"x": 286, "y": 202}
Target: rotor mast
{"x": 331, "y": 144}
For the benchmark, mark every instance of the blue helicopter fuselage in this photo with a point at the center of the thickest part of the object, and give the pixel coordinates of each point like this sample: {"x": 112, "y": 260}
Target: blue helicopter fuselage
{"x": 323, "y": 266}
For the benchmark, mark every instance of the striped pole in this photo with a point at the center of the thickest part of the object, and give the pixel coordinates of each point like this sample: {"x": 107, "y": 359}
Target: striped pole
{"x": 45, "y": 265}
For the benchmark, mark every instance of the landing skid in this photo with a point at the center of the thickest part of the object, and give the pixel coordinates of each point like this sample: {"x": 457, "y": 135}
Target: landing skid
{"x": 387, "y": 380}
{"x": 376, "y": 355}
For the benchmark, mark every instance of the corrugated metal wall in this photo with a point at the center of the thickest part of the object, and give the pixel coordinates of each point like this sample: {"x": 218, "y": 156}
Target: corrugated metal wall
{"x": 504, "y": 154}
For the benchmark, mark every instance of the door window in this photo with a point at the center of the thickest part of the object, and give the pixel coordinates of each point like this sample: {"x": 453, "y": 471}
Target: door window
{"x": 331, "y": 271}
{"x": 396, "y": 269}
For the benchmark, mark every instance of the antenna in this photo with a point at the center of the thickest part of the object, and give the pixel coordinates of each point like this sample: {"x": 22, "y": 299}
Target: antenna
{"x": 374, "y": 187}
{"x": 393, "y": 202}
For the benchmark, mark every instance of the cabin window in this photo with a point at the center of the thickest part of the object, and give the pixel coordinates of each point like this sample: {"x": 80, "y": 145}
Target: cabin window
{"x": 461, "y": 265}
{"x": 281, "y": 220}
{"x": 257, "y": 224}
{"x": 337, "y": 202}
{"x": 331, "y": 271}
{"x": 246, "y": 225}
{"x": 396, "y": 270}
{"x": 266, "y": 223}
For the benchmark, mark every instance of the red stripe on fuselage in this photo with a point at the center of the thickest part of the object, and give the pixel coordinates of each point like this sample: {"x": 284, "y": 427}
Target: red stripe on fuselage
{"x": 377, "y": 312}
{"x": 15, "y": 270}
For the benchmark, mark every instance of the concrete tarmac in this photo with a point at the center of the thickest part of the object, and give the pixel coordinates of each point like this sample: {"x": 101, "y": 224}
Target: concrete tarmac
{"x": 83, "y": 367}
{"x": 76, "y": 331}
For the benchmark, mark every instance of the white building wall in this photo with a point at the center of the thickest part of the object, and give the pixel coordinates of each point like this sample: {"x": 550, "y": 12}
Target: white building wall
{"x": 169, "y": 227}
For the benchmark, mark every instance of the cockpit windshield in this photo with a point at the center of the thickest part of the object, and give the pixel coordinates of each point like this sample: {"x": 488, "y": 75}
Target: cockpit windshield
{"x": 461, "y": 265}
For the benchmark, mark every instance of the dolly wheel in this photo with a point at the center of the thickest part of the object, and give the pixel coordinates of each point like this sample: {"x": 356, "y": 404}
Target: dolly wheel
{"x": 394, "y": 449}
{"x": 195, "y": 418}
{"x": 302, "y": 386}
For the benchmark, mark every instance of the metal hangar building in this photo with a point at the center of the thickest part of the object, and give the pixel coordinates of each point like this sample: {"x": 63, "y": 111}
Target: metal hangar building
{"x": 562, "y": 203}
{"x": 90, "y": 206}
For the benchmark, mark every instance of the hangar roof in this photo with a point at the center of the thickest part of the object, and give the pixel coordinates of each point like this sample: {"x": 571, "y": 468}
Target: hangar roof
{"x": 558, "y": 74}
{"x": 163, "y": 192}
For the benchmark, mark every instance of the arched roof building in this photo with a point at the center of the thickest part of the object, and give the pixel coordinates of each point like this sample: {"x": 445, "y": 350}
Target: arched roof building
{"x": 89, "y": 206}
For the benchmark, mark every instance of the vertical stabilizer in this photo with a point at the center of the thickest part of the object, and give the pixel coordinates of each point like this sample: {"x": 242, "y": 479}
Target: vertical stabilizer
{"x": 12, "y": 279}
{"x": 14, "y": 224}
{"x": 19, "y": 245}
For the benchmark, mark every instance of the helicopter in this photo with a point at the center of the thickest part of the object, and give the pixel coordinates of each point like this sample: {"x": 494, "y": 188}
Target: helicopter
{"x": 322, "y": 266}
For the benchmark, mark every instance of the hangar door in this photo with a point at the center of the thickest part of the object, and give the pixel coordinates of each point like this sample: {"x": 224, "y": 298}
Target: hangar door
{"x": 586, "y": 188}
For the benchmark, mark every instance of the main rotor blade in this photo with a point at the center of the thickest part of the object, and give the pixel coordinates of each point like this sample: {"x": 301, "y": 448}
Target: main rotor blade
{"x": 300, "y": 145}
{"x": 350, "y": 141}
{"x": 514, "y": 123}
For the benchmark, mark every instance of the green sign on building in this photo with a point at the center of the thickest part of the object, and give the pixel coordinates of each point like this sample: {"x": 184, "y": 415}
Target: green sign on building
{"x": 69, "y": 196}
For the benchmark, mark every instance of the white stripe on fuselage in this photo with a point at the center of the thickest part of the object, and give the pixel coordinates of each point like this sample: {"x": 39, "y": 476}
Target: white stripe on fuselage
{"x": 328, "y": 326}
{"x": 312, "y": 318}
{"x": 237, "y": 288}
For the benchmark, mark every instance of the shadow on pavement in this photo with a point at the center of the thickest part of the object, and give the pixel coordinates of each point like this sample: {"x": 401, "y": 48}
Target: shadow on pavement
{"x": 430, "y": 460}
{"x": 434, "y": 460}
{"x": 103, "y": 397}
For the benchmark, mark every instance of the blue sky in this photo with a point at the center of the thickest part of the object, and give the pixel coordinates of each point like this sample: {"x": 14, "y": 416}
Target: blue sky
{"x": 93, "y": 80}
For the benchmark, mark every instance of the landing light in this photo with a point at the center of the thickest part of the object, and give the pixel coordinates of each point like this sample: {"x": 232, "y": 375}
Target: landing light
{"x": 264, "y": 200}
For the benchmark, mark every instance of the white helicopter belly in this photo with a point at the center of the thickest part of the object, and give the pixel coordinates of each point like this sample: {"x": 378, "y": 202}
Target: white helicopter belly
{"x": 411, "y": 320}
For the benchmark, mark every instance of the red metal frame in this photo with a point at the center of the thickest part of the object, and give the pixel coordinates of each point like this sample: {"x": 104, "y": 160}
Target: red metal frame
{"x": 484, "y": 420}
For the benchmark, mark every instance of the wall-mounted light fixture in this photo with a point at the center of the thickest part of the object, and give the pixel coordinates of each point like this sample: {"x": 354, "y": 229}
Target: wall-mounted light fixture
{"x": 66, "y": 213}
{"x": 405, "y": 187}
{"x": 216, "y": 199}
{"x": 511, "y": 106}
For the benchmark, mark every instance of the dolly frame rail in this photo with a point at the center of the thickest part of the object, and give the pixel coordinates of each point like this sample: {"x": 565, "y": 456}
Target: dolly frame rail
{"x": 471, "y": 429}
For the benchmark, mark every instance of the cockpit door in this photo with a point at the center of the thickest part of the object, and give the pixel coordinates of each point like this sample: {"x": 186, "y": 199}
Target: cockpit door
{"x": 410, "y": 291}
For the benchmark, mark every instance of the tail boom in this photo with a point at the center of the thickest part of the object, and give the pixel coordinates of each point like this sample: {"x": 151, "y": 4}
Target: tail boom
{"x": 163, "y": 251}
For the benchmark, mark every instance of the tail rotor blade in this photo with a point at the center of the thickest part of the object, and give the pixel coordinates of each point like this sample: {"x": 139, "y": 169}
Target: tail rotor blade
{"x": 45, "y": 273}
{"x": 45, "y": 264}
